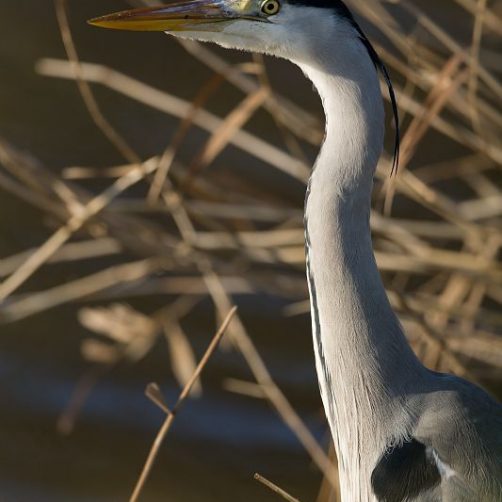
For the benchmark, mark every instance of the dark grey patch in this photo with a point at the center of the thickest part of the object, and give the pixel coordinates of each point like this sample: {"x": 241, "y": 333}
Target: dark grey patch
{"x": 342, "y": 11}
{"x": 404, "y": 472}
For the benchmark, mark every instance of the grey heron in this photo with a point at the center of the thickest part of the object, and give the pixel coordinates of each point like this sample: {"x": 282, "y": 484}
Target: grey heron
{"x": 401, "y": 431}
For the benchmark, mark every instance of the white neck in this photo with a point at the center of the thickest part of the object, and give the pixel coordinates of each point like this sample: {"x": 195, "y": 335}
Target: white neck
{"x": 362, "y": 358}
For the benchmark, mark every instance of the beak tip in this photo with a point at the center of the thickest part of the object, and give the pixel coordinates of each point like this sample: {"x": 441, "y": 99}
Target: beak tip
{"x": 110, "y": 21}
{"x": 96, "y": 21}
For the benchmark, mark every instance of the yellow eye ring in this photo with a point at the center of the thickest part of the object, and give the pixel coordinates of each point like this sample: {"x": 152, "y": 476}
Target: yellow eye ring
{"x": 270, "y": 7}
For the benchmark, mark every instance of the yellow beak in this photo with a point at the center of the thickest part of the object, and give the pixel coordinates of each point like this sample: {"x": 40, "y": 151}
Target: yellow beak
{"x": 179, "y": 16}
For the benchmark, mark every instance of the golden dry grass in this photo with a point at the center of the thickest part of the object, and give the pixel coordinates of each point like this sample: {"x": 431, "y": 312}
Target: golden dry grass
{"x": 441, "y": 264}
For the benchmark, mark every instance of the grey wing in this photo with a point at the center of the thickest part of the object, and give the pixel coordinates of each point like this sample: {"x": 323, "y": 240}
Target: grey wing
{"x": 454, "y": 455}
{"x": 462, "y": 429}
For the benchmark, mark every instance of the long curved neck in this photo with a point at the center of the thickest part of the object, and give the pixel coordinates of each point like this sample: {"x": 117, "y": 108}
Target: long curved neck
{"x": 363, "y": 360}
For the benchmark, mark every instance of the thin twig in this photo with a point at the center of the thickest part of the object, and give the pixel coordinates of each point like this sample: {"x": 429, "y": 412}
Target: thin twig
{"x": 91, "y": 104}
{"x": 285, "y": 495}
{"x": 179, "y": 403}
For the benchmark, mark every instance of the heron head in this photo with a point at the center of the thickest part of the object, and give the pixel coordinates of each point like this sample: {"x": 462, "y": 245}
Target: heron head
{"x": 304, "y": 31}
{"x": 292, "y": 29}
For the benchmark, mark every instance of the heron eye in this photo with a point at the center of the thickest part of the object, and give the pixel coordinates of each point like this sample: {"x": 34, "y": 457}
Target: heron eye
{"x": 270, "y": 7}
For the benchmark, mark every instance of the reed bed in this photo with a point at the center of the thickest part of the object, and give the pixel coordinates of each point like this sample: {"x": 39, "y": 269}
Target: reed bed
{"x": 436, "y": 224}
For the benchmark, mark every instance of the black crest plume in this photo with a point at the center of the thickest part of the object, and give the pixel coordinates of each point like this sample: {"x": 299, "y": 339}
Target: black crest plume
{"x": 342, "y": 10}
{"x": 380, "y": 66}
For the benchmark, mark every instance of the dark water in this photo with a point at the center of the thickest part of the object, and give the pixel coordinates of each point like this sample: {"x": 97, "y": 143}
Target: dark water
{"x": 215, "y": 446}
{"x": 220, "y": 440}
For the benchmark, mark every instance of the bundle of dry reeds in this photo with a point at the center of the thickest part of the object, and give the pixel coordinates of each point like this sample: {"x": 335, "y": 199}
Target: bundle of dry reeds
{"x": 437, "y": 225}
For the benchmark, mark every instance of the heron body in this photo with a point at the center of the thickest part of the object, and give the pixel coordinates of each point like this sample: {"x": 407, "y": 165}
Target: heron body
{"x": 401, "y": 432}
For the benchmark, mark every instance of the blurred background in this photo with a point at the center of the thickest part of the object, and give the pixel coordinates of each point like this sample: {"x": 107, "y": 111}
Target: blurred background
{"x": 146, "y": 186}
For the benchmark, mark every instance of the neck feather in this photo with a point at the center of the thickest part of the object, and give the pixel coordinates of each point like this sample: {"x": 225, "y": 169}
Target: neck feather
{"x": 362, "y": 357}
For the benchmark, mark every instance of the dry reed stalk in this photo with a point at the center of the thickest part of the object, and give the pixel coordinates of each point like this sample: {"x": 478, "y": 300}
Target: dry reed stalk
{"x": 272, "y": 393}
{"x": 234, "y": 121}
{"x": 172, "y": 413}
{"x": 80, "y": 288}
{"x": 276, "y": 489}
{"x": 441, "y": 264}
{"x": 167, "y": 158}
{"x": 88, "y": 98}
{"x": 75, "y": 223}
{"x": 176, "y": 107}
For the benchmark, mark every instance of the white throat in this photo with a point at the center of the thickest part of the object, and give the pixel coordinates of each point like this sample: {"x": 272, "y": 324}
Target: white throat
{"x": 362, "y": 358}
